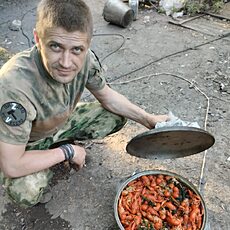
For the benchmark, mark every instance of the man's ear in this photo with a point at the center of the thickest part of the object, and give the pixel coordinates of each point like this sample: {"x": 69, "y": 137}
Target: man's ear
{"x": 36, "y": 38}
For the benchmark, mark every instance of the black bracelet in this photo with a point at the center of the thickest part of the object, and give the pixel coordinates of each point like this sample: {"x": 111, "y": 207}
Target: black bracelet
{"x": 68, "y": 151}
{"x": 65, "y": 152}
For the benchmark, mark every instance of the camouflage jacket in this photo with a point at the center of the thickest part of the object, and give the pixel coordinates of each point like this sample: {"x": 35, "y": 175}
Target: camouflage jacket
{"x": 34, "y": 105}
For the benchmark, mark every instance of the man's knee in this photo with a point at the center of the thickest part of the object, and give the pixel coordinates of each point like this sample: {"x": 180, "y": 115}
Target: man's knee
{"x": 27, "y": 191}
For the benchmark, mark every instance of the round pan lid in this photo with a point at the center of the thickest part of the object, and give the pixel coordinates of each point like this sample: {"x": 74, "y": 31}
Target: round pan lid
{"x": 170, "y": 142}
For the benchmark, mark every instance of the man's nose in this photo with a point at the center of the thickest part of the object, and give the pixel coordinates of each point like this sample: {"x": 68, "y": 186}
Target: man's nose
{"x": 65, "y": 59}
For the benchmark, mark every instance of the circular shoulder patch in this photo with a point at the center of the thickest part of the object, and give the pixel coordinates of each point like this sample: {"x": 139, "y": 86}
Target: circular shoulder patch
{"x": 13, "y": 113}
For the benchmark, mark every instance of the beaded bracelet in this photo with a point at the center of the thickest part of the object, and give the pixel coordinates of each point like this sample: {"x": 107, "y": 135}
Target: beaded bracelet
{"x": 68, "y": 151}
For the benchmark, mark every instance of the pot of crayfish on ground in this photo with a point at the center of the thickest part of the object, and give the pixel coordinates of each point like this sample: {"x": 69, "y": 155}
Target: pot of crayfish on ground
{"x": 159, "y": 200}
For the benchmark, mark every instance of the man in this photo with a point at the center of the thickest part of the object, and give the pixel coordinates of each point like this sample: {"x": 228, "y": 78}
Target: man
{"x": 40, "y": 89}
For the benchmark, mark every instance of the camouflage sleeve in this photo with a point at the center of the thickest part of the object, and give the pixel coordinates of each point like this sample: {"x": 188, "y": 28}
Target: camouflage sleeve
{"x": 16, "y": 116}
{"x": 96, "y": 79}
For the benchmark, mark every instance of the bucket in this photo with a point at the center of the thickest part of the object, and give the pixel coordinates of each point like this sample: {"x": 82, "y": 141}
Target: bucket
{"x": 184, "y": 183}
{"x": 134, "y": 4}
{"x": 118, "y": 13}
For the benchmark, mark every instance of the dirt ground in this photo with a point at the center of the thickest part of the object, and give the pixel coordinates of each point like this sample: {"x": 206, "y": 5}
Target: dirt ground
{"x": 161, "y": 67}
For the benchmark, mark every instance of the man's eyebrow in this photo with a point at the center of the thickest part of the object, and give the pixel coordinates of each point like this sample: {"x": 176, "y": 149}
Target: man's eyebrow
{"x": 52, "y": 41}
{"x": 79, "y": 46}
{"x": 59, "y": 44}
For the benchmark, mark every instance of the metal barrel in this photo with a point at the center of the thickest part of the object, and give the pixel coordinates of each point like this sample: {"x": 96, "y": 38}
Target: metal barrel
{"x": 118, "y": 13}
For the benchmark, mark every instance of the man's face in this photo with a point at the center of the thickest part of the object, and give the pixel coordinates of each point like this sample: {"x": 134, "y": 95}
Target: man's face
{"x": 63, "y": 53}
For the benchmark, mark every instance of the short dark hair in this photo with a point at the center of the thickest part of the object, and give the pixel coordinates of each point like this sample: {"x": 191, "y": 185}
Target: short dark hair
{"x": 71, "y": 15}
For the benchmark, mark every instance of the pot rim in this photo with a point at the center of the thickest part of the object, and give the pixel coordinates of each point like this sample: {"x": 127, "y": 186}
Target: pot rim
{"x": 156, "y": 172}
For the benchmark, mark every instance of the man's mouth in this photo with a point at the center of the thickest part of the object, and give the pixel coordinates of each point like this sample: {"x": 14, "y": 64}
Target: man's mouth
{"x": 64, "y": 71}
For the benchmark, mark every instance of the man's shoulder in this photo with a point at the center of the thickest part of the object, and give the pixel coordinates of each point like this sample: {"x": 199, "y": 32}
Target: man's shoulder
{"x": 19, "y": 77}
{"x": 92, "y": 60}
{"x": 23, "y": 59}
{"x": 19, "y": 66}
{"x": 92, "y": 55}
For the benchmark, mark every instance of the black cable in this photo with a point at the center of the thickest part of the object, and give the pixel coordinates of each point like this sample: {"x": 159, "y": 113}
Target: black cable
{"x": 28, "y": 39}
{"x": 159, "y": 59}
{"x": 23, "y": 33}
{"x": 120, "y": 35}
{"x": 170, "y": 55}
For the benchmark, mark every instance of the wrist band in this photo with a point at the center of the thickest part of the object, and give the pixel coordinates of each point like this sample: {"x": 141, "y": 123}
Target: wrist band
{"x": 68, "y": 151}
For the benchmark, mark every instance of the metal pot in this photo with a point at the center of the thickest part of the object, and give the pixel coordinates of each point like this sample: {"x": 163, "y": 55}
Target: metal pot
{"x": 118, "y": 13}
{"x": 181, "y": 179}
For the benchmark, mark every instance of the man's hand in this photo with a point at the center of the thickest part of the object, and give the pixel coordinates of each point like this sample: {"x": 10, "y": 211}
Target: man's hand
{"x": 79, "y": 156}
{"x": 153, "y": 119}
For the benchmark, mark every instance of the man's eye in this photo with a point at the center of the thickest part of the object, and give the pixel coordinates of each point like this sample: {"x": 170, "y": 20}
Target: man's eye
{"x": 77, "y": 50}
{"x": 55, "y": 47}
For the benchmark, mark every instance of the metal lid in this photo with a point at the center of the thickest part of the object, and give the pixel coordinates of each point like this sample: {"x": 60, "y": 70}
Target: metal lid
{"x": 170, "y": 142}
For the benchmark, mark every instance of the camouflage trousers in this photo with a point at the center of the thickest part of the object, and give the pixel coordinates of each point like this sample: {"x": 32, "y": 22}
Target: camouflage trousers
{"x": 89, "y": 121}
